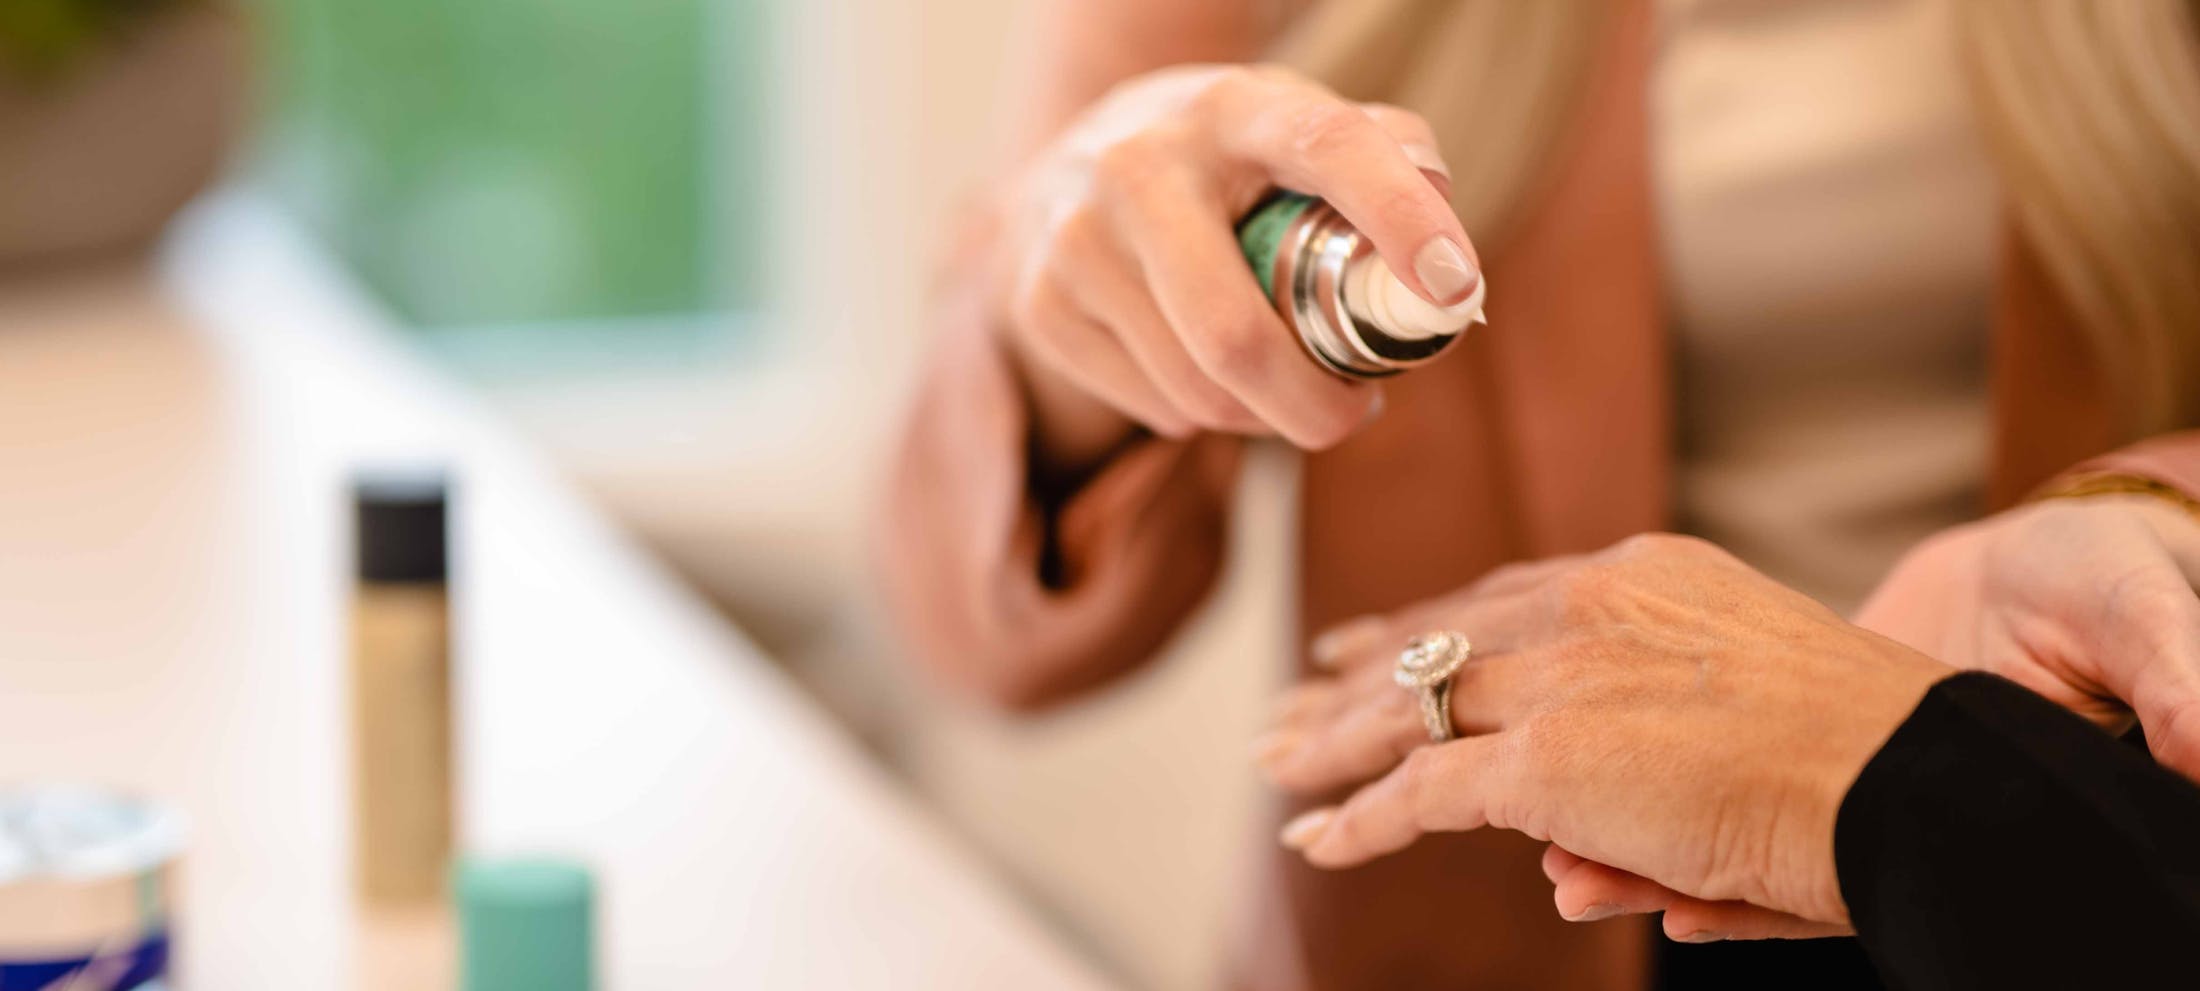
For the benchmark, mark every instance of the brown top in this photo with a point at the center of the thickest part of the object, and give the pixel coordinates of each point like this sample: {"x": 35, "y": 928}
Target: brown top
{"x": 1551, "y": 433}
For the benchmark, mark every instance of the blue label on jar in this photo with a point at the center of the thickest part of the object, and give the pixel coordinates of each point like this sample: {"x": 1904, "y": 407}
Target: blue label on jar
{"x": 137, "y": 968}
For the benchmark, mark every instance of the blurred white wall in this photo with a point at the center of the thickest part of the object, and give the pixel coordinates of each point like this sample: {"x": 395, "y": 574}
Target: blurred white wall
{"x": 1128, "y": 818}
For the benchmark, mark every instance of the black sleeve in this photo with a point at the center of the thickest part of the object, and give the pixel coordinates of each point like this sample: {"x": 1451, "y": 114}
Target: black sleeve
{"x": 1999, "y": 841}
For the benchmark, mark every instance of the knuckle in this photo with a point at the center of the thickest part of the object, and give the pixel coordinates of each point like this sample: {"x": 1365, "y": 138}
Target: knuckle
{"x": 1643, "y": 545}
{"x": 1328, "y": 130}
{"x": 1030, "y": 306}
{"x": 1276, "y": 74}
{"x": 1399, "y": 118}
{"x": 1582, "y": 593}
{"x": 1076, "y": 251}
{"x": 1076, "y": 238}
{"x": 1230, "y": 343}
{"x": 1235, "y": 82}
{"x": 1404, "y": 202}
{"x": 1136, "y": 167}
{"x": 1513, "y": 575}
{"x": 1246, "y": 82}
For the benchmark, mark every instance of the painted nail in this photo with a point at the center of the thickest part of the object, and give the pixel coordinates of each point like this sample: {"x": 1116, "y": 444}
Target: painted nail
{"x": 1271, "y": 747}
{"x": 1445, "y": 272}
{"x": 1301, "y": 832}
{"x": 1596, "y": 912}
{"x": 1703, "y": 936}
{"x": 1427, "y": 159}
{"x": 1341, "y": 641}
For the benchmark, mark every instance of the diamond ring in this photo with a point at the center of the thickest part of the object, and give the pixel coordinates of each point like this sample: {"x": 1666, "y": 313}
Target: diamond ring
{"x": 1425, "y": 668}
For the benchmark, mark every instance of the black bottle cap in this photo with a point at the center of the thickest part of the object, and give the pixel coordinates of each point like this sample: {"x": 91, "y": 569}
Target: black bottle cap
{"x": 401, "y": 519}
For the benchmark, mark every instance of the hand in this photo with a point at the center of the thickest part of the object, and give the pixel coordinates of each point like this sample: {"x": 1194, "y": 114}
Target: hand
{"x": 1123, "y": 276}
{"x": 2088, "y": 602}
{"x": 1657, "y": 707}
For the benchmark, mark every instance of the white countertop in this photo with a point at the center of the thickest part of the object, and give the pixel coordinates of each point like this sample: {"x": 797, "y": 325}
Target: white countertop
{"x": 173, "y": 578}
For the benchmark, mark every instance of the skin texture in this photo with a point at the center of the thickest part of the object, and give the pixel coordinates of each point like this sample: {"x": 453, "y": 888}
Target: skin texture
{"x": 2088, "y": 602}
{"x": 1727, "y": 829}
{"x": 1657, "y": 705}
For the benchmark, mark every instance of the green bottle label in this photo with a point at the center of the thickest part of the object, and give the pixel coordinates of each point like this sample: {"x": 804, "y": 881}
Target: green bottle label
{"x": 1260, "y": 234}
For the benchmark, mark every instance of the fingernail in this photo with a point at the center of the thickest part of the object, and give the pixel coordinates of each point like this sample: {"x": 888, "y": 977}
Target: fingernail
{"x": 1703, "y": 936}
{"x": 1345, "y": 639}
{"x": 1596, "y": 912}
{"x": 1443, "y": 270}
{"x": 1427, "y": 159}
{"x": 1301, "y": 832}
{"x": 1271, "y": 746}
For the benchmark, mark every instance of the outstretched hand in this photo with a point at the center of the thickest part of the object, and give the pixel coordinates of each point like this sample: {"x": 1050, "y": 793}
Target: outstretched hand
{"x": 1658, "y": 707}
{"x": 2088, "y": 602}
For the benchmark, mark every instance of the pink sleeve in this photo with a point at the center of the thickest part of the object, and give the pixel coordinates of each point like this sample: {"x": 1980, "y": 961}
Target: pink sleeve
{"x": 2171, "y": 459}
{"x": 1007, "y": 600}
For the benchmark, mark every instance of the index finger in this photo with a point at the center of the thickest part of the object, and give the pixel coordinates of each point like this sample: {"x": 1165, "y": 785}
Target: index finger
{"x": 1203, "y": 288}
{"x": 1309, "y": 140}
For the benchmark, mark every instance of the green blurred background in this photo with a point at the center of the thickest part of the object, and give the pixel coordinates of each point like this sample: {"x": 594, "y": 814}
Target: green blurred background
{"x": 528, "y": 163}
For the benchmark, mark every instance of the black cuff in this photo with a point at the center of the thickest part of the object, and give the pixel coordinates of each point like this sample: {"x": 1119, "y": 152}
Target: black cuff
{"x": 1998, "y": 840}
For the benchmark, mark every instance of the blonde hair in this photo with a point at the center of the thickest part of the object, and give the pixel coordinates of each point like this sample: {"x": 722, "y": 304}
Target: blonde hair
{"x": 2092, "y": 110}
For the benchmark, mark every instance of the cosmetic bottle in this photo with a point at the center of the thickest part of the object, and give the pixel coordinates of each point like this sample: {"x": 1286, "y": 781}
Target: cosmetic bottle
{"x": 401, "y": 687}
{"x": 1349, "y": 310}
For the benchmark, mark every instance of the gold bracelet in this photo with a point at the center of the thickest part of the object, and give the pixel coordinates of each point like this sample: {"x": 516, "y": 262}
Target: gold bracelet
{"x": 2117, "y": 483}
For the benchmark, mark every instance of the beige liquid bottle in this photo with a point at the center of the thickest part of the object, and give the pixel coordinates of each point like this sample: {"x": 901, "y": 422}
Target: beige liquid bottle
{"x": 401, "y": 688}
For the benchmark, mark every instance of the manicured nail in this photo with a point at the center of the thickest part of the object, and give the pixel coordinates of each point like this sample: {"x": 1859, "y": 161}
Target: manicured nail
{"x": 1596, "y": 912}
{"x": 1271, "y": 747}
{"x": 1301, "y": 832}
{"x": 1444, "y": 271}
{"x": 1703, "y": 936}
{"x": 1427, "y": 159}
{"x": 1340, "y": 642}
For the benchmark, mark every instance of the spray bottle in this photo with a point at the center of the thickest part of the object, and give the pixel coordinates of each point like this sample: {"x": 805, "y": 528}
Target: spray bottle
{"x": 1349, "y": 310}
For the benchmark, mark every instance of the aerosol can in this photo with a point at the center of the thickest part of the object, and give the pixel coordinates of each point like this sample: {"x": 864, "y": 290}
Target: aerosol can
{"x": 1348, "y": 308}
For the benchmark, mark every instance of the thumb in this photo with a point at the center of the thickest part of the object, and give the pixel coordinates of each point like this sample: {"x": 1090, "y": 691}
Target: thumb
{"x": 2175, "y": 739}
{"x": 2154, "y": 666}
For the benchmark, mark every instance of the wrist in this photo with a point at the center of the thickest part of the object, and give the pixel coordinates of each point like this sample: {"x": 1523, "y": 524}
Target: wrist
{"x": 2162, "y": 497}
{"x": 1886, "y": 693}
{"x": 2171, "y": 515}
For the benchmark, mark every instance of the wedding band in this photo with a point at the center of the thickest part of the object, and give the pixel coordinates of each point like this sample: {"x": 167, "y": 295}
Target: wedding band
{"x": 1425, "y": 668}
